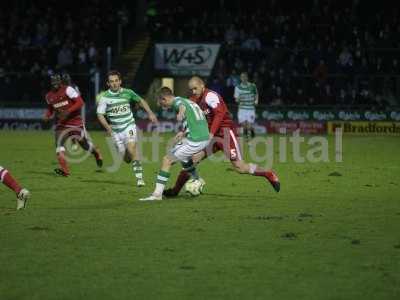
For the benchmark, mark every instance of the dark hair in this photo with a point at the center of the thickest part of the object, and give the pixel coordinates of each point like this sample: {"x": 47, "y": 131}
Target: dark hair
{"x": 164, "y": 91}
{"x": 55, "y": 77}
{"x": 113, "y": 73}
{"x": 66, "y": 78}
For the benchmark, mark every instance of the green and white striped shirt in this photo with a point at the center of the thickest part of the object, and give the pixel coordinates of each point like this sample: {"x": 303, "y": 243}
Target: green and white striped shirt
{"x": 116, "y": 108}
{"x": 246, "y": 95}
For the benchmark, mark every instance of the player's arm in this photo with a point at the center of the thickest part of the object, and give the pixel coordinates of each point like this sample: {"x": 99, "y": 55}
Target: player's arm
{"x": 143, "y": 104}
{"x": 181, "y": 113}
{"x": 48, "y": 114}
{"x": 101, "y": 111}
{"x": 180, "y": 117}
{"x": 76, "y": 97}
{"x": 256, "y": 95}
{"x": 236, "y": 94}
{"x": 213, "y": 102}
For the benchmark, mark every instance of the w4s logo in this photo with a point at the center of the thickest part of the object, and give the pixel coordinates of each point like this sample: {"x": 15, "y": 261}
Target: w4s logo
{"x": 120, "y": 109}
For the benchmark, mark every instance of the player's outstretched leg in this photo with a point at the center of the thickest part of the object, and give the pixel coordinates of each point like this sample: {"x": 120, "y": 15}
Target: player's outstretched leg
{"x": 184, "y": 176}
{"x": 22, "y": 193}
{"x": 89, "y": 146}
{"x": 188, "y": 171}
{"x": 252, "y": 169}
{"x": 161, "y": 181}
{"x": 63, "y": 170}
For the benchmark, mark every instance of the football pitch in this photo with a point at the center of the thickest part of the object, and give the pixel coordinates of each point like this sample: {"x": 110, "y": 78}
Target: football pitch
{"x": 333, "y": 232}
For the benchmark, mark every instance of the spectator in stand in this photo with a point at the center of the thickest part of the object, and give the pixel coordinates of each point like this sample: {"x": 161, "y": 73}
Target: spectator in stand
{"x": 277, "y": 97}
{"x": 233, "y": 80}
{"x": 320, "y": 72}
{"x": 92, "y": 52}
{"x": 354, "y": 97}
{"x": 82, "y": 57}
{"x": 343, "y": 99}
{"x": 299, "y": 98}
{"x": 305, "y": 68}
{"x": 345, "y": 60}
{"x": 328, "y": 98}
{"x": 394, "y": 67}
{"x": 217, "y": 85}
{"x": 64, "y": 57}
{"x": 252, "y": 43}
{"x": 231, "y": 35}
{"x": 221, "y": 68}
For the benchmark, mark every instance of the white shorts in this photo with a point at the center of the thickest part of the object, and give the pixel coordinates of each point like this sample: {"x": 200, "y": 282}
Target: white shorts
{"x": 121, "y": 139}
{"x": 184, "y": 150}
{"x": 246, "y": 115}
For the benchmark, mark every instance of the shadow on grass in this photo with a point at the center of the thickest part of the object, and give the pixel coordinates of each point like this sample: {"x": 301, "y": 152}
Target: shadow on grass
{"x": 95, "y": 206}
{"x": 47, "y": 173}
{"x": 233, "y": 197}
{"x": 106, "y": 182}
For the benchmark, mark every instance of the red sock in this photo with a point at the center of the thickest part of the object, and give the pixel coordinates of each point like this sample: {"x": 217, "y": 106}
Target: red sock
{"x": 9, "y": 181}
{"x": 271, "y": 176}
{"x": 62, "y": 162}
{"x": 183, "y": 177}
{"x": 260, "y": 173}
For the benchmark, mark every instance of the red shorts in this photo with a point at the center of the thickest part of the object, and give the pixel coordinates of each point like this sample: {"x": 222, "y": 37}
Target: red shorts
{"x": 226, "y": 141}
{"x": 62, "y": 134}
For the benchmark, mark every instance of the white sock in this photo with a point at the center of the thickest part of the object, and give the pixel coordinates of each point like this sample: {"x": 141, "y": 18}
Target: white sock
{"x": 159, "y": 189}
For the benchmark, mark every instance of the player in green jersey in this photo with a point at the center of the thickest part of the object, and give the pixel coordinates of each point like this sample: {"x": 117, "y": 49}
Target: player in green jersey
{"x": 115, "y": 115}
{"x": 192, "y": 140}
{"x": 246, "y": 95}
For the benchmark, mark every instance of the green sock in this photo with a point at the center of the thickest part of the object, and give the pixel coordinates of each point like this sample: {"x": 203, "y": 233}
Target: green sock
{"x": 162, "y": 179}
{"x": 137, "y": 169}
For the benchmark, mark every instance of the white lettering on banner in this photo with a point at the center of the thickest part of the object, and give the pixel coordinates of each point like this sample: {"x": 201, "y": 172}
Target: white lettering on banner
{"x": 20, "y": 126}
{"x": 186, "y": 59}
{"x": 21, "y": 113}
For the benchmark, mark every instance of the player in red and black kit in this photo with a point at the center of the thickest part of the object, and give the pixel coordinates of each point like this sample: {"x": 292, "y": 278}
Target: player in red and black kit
{"x": 223, "y": 134}
{"x": 9, "y": 181}
{"x": 64, "y": 103}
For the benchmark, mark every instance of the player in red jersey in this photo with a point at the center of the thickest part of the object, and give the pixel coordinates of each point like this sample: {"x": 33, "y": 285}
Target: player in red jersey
{"x": 64, "y": 103}
{"x": 8, "y": 180}
{"x": 223, "y": 133}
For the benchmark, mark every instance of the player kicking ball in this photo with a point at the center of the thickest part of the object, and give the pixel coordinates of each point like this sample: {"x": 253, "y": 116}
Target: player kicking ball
{"x": 115, "y": 115}
{"x": 9, "y": 181}
{"x": 64, "y": 104}
{"x": 222, "y": 129}
{"x": 189, "y": 142}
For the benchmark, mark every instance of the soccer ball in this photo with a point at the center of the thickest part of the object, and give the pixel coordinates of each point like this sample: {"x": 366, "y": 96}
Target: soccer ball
{"x": 194, "y": 187}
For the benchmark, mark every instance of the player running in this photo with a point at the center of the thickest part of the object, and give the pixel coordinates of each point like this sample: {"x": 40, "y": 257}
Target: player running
{"x": 246, "y": 95}
{"x": 67, "y": 80}
{"x": 193, "y": 140}
{"x": 9, "y": 181}
{"x": 224, "y": 137}
{"x": 64, "y": 104}
{"x": 115, "y": 115}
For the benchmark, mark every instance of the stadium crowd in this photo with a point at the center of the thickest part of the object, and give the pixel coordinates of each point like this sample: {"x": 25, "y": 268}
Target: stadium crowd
{"x": 37, "y": 39}
{"x": 310, "y": 53}
{"x": 327, "y": 53}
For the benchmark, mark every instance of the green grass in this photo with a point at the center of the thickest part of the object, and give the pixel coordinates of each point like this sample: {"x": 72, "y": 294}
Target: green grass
{"x": 88, "y": 236}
